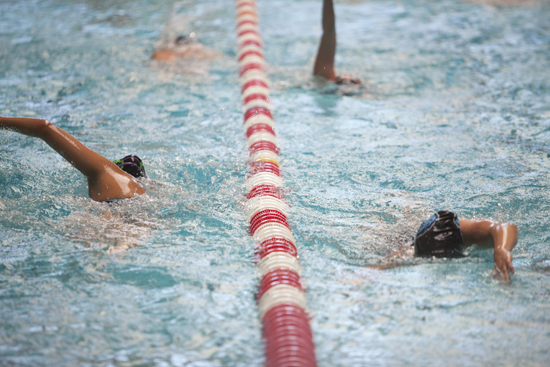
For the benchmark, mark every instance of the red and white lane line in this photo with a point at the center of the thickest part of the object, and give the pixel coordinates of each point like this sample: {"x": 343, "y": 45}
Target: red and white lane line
{"x": 281, "y": 298}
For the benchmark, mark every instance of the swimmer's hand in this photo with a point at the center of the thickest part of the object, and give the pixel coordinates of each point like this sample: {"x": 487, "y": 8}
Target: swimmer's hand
{"x": 502, "y": 236}
{"x": 503, "y": 265}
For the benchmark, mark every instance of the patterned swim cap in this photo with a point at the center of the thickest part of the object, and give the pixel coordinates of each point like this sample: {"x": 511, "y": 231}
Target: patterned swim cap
{"x": 440, "y": 235}
{"x": 131, "y": 164}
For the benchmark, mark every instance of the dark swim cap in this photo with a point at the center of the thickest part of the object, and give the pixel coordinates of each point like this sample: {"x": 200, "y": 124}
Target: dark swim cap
{"x": 440, "y": 235}
{"x": 184, "y": 40}
{"x": 131, "y": 164}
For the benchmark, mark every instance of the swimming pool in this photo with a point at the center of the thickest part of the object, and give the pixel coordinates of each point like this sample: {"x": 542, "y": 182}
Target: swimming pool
{"x": 455, "y": 116}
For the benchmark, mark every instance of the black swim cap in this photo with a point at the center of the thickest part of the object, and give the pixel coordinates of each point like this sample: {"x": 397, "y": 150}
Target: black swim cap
{"x": 440, "y": 236}
{"x": 184, "y": 40}
{"x": 131, "y": 164}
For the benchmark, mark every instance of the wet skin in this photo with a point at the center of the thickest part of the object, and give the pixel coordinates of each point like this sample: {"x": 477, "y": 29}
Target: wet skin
{"x": 490, "y": 234}
{"x": 324, "y": 63}
{"x": 500, "y": 236}
{"x": 105, "y": 180}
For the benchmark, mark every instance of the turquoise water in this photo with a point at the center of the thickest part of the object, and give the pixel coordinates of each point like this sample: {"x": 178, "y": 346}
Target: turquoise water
{"x": 456, "y": 115}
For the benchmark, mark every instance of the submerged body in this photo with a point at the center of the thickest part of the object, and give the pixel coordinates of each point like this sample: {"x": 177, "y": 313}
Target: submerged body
{"x": 106, "y": 181}
{"x": 183, "y": 47}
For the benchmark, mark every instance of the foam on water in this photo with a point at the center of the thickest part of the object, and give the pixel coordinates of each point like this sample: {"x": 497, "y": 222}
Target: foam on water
{"x": 454, "y": 115}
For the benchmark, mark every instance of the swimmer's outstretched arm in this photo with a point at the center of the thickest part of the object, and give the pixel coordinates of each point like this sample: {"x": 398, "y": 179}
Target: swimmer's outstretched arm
{"x": 105, "y": 180}
{"x": 498, "y": 235}
{"x": 90, "y": 163}
{"x": 324, "y": 63}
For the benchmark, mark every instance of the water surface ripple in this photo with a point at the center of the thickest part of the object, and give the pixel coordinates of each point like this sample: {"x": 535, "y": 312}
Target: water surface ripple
{"x": 455, "y": 115}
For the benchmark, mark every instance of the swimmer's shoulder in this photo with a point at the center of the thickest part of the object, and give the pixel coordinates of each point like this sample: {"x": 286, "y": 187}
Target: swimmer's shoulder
{"x": 114, "y": 185}
{"x": 164, "y": 55}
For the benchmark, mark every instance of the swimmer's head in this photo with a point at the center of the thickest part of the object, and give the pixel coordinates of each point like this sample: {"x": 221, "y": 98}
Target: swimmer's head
{"x": 185, "y": 40}
{"x": 439, "y": 236}
{"x": 132, "y": 165}
{"x": 347, "y": 80}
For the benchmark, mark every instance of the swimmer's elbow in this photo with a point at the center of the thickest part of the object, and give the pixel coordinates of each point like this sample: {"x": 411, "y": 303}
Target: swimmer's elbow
{"x": 508, "y": 227}
{"x": 505, "y": 235}
{"x": 512, "y": 229}
{"x": 42, "y": 128}
{"x": 45, "y": 124}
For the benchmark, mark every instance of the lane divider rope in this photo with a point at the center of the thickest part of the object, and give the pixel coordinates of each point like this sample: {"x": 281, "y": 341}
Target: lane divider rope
{"x": 281, "y": 297}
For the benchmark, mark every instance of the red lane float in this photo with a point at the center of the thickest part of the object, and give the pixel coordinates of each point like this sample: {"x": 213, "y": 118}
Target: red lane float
{"x": 248, "y": 31}
{"x": 281, "y": 297}
{"x": 276, "y": 244}
{"x": 264, "y": 166}
{"x": 250, "y": 53}
{"x": 244, "y": 22}
{"x": 257, "y": 110}
{"x": 293, "y": 349}
{"x": 263, "y": 145}
{"x": 265, "y": 190}
{"x": 252, "y": 83}
{"x": 252, "y": 66}
{"x": 255, "y": 96}
{"x": 279, "y": 276}
{"x": 251, "y": 42}
{"x": 245, "y": 3}
{"x": 245, "y": 12}
{"x": 267, "y": 216}
{"x": 259, "y": 127}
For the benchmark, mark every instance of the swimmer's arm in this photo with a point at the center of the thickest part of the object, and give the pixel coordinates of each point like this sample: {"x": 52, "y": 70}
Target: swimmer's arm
{"x": 501, "y": 236}
{"x": 164, "y": 55}
{"x": 22, "y": 125}
{"x": 90, "y": 163}
{"x": 324, "y": 63}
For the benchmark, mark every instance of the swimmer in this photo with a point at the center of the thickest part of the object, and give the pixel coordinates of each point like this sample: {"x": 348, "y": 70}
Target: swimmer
{"x": 444, "y": 235}
{"x": 324, "y": 63}
{"x": 106, "y": 180}
{"x": 183, "y": 47}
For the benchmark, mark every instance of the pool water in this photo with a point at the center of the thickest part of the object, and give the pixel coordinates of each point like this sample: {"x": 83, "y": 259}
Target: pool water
{"x": 455, "y": 115}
